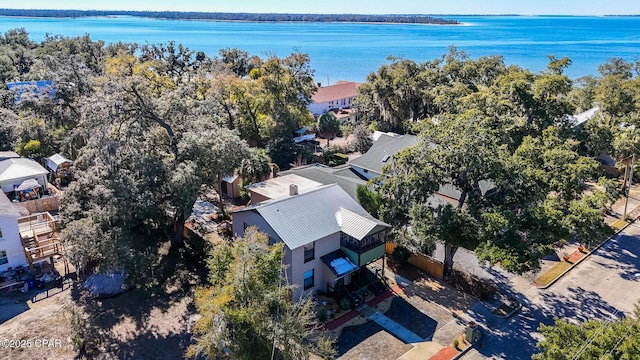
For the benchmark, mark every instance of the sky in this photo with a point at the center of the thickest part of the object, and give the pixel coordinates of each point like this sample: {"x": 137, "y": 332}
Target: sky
{"x": 520, "y": 7}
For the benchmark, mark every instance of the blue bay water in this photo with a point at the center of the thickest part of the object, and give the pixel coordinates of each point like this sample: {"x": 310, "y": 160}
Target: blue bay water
{"x": 350, "y": 51}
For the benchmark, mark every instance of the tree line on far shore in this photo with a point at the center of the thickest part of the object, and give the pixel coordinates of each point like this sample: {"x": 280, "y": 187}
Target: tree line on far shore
{"x": 153, "y": 127}
{"x": 225, "y": 16}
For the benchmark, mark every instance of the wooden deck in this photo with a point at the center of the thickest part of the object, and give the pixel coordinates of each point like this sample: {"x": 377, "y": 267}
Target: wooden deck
{"x": 39, "y": 238}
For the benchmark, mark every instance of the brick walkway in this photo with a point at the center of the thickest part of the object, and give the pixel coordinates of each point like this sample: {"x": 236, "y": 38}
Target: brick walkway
{"x": 575, "y": 256}
{"x": 354, "y": 313}
{"x": 447, "y": 353}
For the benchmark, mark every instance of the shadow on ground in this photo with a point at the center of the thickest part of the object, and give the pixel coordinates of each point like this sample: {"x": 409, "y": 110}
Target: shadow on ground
{"x": 516, "y": 337}
{"x": 150, "y": 321}
{"x": 411, "y": 318}
{"x": 351, "y": 336}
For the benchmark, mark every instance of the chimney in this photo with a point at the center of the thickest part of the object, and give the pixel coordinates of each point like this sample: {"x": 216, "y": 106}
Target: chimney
{"x": 293, "y": 189}
{"x": 319, "y": 84}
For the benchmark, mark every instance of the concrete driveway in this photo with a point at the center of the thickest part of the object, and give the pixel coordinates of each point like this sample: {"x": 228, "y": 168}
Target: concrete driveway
{"x": 604, "y": 286}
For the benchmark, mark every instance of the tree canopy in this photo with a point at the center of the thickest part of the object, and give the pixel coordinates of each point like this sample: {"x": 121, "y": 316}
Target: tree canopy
{"x": 594, "y": 339}
{"x": 499, "y": 142}
{"x": 150, "y": 128}
{"x": 246, "y": 310}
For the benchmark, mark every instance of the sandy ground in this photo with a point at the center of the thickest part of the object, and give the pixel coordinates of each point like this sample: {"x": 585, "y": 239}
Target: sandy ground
{"x": 144, "y": 323}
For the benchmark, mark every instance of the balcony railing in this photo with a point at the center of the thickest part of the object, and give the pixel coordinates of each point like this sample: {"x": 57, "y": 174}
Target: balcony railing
{"x": 364, "y": 245}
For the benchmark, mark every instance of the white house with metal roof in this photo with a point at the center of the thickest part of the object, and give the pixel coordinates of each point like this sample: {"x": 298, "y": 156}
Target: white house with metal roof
{"x": 56, "y": 161}
{"x": 328, "y": 236}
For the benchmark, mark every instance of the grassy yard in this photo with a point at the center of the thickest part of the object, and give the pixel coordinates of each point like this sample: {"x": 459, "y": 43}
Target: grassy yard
{"x": 618, "y": 224}
{"x": 555, "y": 271}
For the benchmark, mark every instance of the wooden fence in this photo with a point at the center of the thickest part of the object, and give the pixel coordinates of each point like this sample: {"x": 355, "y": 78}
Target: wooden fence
{"x": 425, "y": 263}
{"x": 41, "y": 205}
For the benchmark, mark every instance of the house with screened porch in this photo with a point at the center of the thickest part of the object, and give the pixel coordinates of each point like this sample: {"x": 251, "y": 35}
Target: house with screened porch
{"x": 329, "y": 238}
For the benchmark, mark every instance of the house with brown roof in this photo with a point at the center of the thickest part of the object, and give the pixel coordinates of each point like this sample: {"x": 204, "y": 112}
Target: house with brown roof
{"x": 338, "y": 96}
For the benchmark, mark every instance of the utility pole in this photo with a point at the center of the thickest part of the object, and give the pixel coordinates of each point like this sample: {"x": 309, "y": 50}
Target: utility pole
{"x": 628, "y": 189}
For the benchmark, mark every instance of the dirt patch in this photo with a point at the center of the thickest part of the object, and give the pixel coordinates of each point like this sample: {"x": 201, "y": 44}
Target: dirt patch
{"x": 406, "y": 270}
{"x": 32, "y": 322}
{"x": 152, "y": 321}
{"x": 441, "y": 293}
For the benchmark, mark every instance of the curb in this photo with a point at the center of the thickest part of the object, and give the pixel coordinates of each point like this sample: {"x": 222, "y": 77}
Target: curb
{"x": 461, "y": 353}
{"x": 585, "y": 257}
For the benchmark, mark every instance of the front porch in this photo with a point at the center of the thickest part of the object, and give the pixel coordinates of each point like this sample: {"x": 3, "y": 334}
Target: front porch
{"x": 353, "y": 283}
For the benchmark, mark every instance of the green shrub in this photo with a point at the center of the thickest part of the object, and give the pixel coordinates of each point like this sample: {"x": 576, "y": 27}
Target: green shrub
{"x": 400, "y": 255}
{"x": 344, "y": 303}
{"x": 323, "y": 315}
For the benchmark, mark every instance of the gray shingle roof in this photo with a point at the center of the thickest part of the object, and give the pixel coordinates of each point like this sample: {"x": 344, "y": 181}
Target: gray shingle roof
{"x": 301, "y": 219}
{"x": 382, "y": 150}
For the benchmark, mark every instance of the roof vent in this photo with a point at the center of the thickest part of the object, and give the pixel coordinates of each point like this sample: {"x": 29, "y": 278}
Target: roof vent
{"x": 293, "y": 189}
{"x": 386, "y": 158}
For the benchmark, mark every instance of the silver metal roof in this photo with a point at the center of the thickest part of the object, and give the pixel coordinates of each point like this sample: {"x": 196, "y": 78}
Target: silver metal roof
{"x": 301, "y": 219}
{"x": 358, "y": 225}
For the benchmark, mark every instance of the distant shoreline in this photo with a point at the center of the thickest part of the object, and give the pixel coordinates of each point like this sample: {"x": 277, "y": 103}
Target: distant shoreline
{"x": 219, "y": 16}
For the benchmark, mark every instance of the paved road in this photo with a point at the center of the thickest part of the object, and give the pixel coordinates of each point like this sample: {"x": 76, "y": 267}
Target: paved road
{"x": 604, "y": 286}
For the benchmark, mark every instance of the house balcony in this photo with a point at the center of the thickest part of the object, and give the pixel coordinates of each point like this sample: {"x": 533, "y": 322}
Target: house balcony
{"x": 362, "y": 252}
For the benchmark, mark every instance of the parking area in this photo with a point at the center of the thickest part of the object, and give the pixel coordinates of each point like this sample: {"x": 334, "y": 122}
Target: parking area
{"x": 606, "y": 285}
{"x": 423, "y": 307}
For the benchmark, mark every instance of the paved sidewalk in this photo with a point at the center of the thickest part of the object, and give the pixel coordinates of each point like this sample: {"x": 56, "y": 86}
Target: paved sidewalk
{"x": 394, "y": 328}
{"x": 422, "y": 351}
{"x": 342, "y": 320}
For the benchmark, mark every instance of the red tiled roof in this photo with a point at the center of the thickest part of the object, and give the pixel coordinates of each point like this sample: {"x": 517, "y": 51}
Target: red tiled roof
{"x": 341, "y": 90}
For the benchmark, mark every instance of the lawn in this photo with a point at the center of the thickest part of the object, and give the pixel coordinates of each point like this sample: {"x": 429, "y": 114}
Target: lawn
{"x": 618, "y": 224}
{"x": 555, "y": 271}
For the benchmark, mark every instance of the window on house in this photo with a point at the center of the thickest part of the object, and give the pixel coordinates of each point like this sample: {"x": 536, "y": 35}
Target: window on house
{"x": 309, "y": 252}
{"x": 5, "y": 260}
{"x": 223, "y": 187}
{"x": 308, "y": 279}
{"x": 0, "y": 233}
